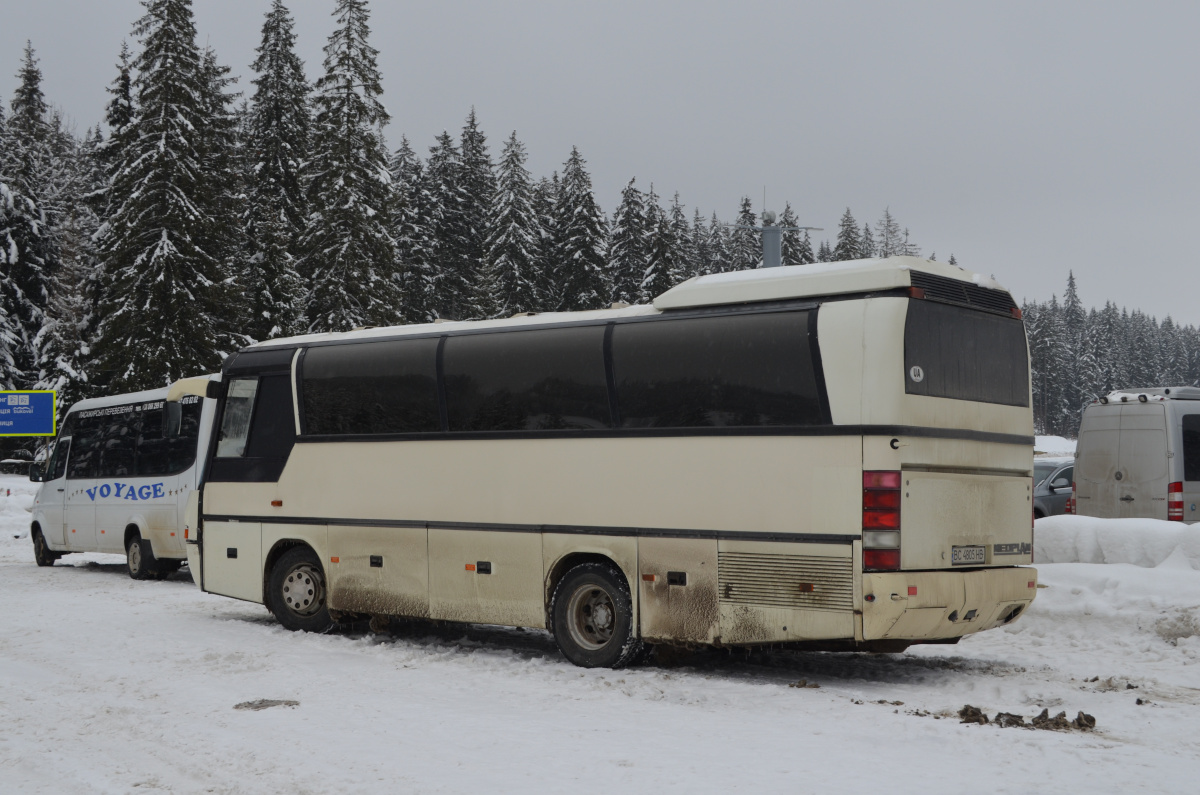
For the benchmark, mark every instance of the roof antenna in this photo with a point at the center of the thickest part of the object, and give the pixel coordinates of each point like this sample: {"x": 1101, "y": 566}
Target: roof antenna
{"x": 772, "y": 235}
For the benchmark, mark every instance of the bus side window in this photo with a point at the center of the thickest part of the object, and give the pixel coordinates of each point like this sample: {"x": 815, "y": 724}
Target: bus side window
{"x": 235, "y": 424}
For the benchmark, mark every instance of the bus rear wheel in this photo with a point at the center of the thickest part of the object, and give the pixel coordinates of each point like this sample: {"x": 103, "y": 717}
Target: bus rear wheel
{"x": 592, "y": 617}
{"x": 296, "y": 593}
{"x": 41, "y": 552}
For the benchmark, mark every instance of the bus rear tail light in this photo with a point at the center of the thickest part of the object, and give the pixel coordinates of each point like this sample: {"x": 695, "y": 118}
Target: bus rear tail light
{"x": 1175, "y": 502}
{"x": 881, "y": 521}
{"x": 1071, "y": 500}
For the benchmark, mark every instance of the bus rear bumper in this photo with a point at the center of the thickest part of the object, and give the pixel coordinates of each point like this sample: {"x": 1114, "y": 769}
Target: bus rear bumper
{"x": 934, "y": 605}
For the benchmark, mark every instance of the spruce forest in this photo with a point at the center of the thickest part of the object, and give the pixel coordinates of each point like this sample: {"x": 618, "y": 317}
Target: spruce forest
{"x": 203, "y": 215}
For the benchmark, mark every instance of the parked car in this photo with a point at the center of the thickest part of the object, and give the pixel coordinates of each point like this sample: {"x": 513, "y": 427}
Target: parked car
{"x": 1052, "y": 479}
{"x": 1139, "y": 455}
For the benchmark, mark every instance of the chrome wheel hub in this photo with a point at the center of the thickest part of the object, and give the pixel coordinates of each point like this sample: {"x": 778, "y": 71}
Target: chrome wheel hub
{"x": 591, "y": 617}
{"x": 303, "y": 590}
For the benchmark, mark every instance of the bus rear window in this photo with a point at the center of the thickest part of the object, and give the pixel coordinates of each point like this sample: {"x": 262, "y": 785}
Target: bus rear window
{"x": 965, "y": 354}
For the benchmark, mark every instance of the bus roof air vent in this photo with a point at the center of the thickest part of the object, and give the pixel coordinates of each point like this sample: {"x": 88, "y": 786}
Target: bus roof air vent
{"x": 955, "y": 291}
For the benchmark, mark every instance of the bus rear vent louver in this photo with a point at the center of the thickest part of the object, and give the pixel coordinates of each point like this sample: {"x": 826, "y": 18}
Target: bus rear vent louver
{"x": 952, "y": 291}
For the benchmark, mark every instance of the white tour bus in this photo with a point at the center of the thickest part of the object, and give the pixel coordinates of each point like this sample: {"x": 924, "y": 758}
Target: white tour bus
{"x": 118, "y": 479}
{"x": 839, "y": 455}
{"x": 1139, "y": 455}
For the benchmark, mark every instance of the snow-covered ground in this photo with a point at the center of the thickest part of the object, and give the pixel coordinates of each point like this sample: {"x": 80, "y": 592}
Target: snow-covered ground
{"x": 110, "y": 685}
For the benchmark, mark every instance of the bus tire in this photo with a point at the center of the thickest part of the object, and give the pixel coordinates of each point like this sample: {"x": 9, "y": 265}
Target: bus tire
{"x": 41, "y": 552}
{"x": 296, "y": 593}
{"x": 139, "y": 559}
{"x": 592, "y": 614}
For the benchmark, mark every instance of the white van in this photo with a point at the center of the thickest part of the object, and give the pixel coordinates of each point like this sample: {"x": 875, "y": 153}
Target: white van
{"x": 1139, "y": 455}
{"x": 118, "y": 478}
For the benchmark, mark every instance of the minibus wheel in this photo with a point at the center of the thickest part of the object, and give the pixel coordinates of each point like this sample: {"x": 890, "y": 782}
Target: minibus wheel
{"x": 140, "y": 560}
{"x": 296, "y": 594}
{"x": 592, "y": 615}
{"x": 41, "y": 552}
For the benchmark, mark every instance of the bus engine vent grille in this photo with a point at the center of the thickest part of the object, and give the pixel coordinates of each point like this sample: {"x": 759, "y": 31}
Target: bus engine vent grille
{"x": 796, "y": 581}
{"x": 954, "y": 291}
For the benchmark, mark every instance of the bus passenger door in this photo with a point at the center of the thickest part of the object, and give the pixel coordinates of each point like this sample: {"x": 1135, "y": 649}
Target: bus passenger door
{"x": 53, "y": 493}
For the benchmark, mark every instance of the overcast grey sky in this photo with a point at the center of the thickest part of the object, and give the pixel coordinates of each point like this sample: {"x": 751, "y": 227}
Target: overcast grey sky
{"x": 1028, "y": 138}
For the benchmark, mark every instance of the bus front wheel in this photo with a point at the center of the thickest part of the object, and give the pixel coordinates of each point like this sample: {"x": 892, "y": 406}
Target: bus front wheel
{"x": 296, "y": 593}
{"x": 592, "y": 615}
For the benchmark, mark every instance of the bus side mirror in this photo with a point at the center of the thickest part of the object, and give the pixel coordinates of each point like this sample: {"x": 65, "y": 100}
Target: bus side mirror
{"x": 35, "y": 473}
{"x": 174, "y": 420}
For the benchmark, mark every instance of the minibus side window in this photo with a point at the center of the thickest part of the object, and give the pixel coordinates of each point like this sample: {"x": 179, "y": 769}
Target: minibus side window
{"x": 1191, "y": 447}
{"x": 85, "y": 462}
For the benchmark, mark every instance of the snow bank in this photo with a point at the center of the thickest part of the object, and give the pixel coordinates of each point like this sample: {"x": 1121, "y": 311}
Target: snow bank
{"x": 1149, "y": 543}
{"x": 1054, "y": 445}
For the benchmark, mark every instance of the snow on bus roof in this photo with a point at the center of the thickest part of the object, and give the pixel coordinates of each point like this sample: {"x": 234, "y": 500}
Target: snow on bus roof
{"x": 763, "y": 284}
{"x": 516, "y": 321}
{"x": 805, "y": 281}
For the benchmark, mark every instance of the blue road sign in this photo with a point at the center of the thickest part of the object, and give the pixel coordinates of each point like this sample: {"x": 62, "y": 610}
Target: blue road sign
{"x": 27, "y": 413}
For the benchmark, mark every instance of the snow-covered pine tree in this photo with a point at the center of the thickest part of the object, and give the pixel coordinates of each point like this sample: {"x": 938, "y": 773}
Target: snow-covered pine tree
{"x": 165, "y": 290}
{"x": 684, "y": 254}
{"x": 701, "y": 251}
{"x": 866, "y": 245}
{"x": 454, "y": 272}
{"x": 849, "y": 240}
{"x": 952, "y": 260}
{"x": 222, "y": 197}
{"x": 513, "y": 249}
{"x": 910, "y": 248}
{"x": 1173, "y": 354}
{"x": 824, "y": 252}
{"x": 656, "y": 278}
{"x": 478, "y": 180}
{"x": 349, "y": 253}
{"x": 628, "y": 246}
{"x": 581, "y": 250}
{"x": 9, "y": 331}
{"x": 1072, "y": 349}
{"x": 30, "y": 228}
{"x": 718, "y": 246}
{"x": 889, "y": 240}
{"x": 794, "y": 240}
{"x": 65, "y": 342}
{"x": 415, "y": 247}
{"x": 745, "y": 244}
{"x": 278, "y": 135}
{"x": 545, "y": 199}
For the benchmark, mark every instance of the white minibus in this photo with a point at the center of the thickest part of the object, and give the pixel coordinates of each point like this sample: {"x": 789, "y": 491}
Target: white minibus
{"x": 1138, "y": 455}
{"x": 837, "y": 455}
{"x": 118, "y": 478}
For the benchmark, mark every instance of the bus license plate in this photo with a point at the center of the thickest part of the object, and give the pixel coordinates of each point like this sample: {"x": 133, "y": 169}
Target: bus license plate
{"x": 964, "y": 556}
